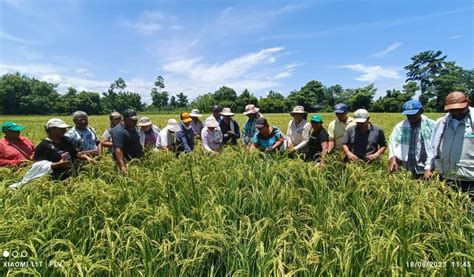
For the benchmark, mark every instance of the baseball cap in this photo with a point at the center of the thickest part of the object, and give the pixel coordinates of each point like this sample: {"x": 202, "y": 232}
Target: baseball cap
{"x": 11, "y": 126}
{"x": 185, "y": 117}
{"x": 115, "y": 115}
{"x": 455, "y": 100}
{"x": 215, "y": 108}
{"x": 412, "y": 107}
{"x": 340, "y": 108}
{"x": 130, "y": 113}
{"x": 317, "y": 118}
{"x": 56, "y": 123}
{"x": 261, "y": 122}
{"x": 361, "y": 115}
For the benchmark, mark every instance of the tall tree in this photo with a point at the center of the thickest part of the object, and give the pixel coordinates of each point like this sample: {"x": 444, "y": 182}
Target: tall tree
{"x": 424, "y": 68}
{"x": 182, "y": 100}
{"x": 173, "y": 102}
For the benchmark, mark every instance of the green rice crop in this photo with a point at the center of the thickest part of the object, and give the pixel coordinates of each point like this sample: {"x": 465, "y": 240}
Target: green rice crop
{"x": 237, "y": 213}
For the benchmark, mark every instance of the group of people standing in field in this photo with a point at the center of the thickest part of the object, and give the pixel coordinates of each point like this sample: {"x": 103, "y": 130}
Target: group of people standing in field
{"x": 418, "y": 144}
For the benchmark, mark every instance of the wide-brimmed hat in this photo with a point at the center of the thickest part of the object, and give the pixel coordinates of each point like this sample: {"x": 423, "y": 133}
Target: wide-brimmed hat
{"x": 144, "y": 121}
{"x": 173, "y": 125}
{"x": 11, "y": 126}
{"x": 115, "y": 115}
{"x": 56, "y": 123}
{"x": 455, "y": 100}
{"x": 361, "y": 115}
{"x": 211, "y": 122}
{"x": 298, "y": 109}
{"x": 185, "y": 117}
{"x": 195, "y": 113}
{"x": 227, "y": 112}
{"x": 249, "y": 109}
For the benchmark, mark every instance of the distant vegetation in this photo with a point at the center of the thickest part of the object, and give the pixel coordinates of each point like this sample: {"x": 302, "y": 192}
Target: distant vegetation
{"x": 428, "y": 74}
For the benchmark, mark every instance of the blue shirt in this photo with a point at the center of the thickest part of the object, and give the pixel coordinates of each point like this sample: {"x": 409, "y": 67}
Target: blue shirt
{"x": 263, "y": 142}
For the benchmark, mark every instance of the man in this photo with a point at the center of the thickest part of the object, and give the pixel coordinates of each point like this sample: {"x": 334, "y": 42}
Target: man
{"x": 196, "y": 123}
{"x": 229, "y": 127}
{"x": 82, "y": 136}
{"x": 167, "y": 138}
{"x": 185, "y": 136}
{"x": 268, "y": 139}
{"x": 126, "y": 140}
{"x": 363, "y": 141}
{"x": 249, "y": 129}
{"x": 211, "y": 136}
{"x": 115, "y": 118}
{"x": 216, "y": 113}
{"x": 14, "y": 149}
{"x": 337, "y": 128}
{"x": 410, "y": 140}
{"x": 453, "y": 143}
{"x": 318, "y": 140}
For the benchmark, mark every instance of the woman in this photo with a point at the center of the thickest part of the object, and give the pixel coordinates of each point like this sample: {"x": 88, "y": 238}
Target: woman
{"x": 318, "y": 140}
{"x": 211, "y": 136}
{"x": 57, "y": 149}
{"x": 268, "y": 139}
{"x": 298, "y": 132}
{"x": 196, "y": 123}
{"x": 229, "y": 127}
{"x": 249, "y": 129}
{"x": 148, "y": 132}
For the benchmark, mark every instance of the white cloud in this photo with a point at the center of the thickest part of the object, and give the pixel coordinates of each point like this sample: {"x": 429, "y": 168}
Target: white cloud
{"x": 387, "y": 50}
{"x": 84, "y": 72}
{"x": 150, "y": 22}
{"x": 254, "y": 71}
{"x": 12, "y": 38}
{"x": 455, "y": 37}
{"x": 373, "y": 73}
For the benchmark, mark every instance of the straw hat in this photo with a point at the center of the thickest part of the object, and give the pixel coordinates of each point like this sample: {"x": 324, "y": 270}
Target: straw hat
{"x": 144, "y": 121}
{"x": 298, "y": 109}
{"x": 249, "y": 109}
{"x": 227, "y": 112}
{"x": 195, "y": 113}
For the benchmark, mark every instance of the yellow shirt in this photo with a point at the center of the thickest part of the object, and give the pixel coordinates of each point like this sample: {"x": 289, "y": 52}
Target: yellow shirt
{"x": 337, "y": 129}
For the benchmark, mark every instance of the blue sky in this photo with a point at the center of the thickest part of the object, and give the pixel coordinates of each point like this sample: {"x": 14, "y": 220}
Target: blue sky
{"x": 198, "y": 46}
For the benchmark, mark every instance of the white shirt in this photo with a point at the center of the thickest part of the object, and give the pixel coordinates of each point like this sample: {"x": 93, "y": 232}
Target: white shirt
{"x": 211, "y": 140}
{"x": 298, "y": 136}
{"x": 165, "y": 138}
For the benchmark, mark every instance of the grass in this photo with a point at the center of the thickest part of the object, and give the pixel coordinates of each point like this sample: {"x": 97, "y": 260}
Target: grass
{"x": 238, "y": 213}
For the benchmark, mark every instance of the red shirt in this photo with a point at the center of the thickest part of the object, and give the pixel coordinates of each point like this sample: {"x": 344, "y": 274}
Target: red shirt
{"x": 10, "y": 155}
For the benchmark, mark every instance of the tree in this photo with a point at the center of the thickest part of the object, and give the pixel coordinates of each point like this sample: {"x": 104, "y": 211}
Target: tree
{"x": 361, "y": 98}
{"x": 226, "y": 97}
{"x": 182, "y": 100}
{"x": 173, "y": 102}
{"x": 159, "y": 83}
{"x": 244, "y": 99}
{"x": 272, "y": 105}
{"x": 159, "y": 99}
{"x": 121, "y": 100}
{"x": 425, "y": 67}
{"x": 310, "y": 95}
{"x": 204, "y": 102}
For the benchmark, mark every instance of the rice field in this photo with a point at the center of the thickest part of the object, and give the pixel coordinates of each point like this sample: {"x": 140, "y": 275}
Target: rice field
{"x": 237, "y": 213}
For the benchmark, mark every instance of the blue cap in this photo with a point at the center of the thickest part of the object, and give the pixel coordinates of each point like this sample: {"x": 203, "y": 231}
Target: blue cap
{"x": 340, "y": 108}
{"x": 412, "y": 107}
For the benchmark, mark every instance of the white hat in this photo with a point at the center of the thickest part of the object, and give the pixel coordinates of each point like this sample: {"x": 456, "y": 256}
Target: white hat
{"x": 211, "y": 122}
{"x": 298, "y": 109}
{"x": 173, "y": 125}
{"x": 56, "y": 123}
{"x": 361, "y": 115}
{"x": 227, "y": 112}
{"x": 251, "y": 109}
{"x": 144, "y": 121}
{"x": 195, "y": 113}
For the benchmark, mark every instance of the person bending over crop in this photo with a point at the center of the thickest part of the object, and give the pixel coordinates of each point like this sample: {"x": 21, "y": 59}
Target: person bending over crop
{"x": 268, "y": 139}
{"x": 211, "y": 136}
{"x": 126, "y": 140}
{"x": 364, "y": 141}
{"x": 410, "y": 140}
{"x": 318, "y": 140}
{"x": 229, "y": 127}
{"x": 167, "y": 138}
{"x": 185, "y": 136}
{"x": 58, "y": 149}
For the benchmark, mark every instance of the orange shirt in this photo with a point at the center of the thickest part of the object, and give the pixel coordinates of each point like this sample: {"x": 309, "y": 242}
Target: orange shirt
{"x": 10, "y": 155}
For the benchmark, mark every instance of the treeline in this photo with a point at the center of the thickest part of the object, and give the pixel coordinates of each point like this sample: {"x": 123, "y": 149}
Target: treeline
{"x": 428, "y": 74}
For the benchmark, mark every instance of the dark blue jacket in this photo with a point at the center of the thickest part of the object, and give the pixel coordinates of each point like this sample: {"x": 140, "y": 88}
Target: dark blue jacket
{"x": 185, "y": 138}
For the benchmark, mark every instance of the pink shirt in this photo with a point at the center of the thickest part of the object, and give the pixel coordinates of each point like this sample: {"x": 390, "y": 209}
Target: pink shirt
{"x": 10, "y": 155}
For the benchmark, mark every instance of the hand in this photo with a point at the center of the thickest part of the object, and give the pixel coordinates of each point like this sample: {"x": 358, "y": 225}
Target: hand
{"x": 428, "y": 175}
{"x": 269, "y": 149}
{"x": 372, "y": 157}
{"x": 352, "y": 157}
{"x": 291, "y": 149}
{"x": 123, "y": 170}
{"x": 393, "y": 166}
{"x": 64, "y": 163}
{"x": 230, "y": 133}
{"x": 24, "y": 163}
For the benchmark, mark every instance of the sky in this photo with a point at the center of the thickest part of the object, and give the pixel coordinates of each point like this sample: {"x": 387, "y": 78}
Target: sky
{"x": 199, "y": 46}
